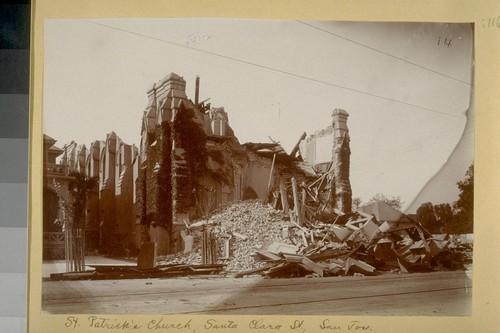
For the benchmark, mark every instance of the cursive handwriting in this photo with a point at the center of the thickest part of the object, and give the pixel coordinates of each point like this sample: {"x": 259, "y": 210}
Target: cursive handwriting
{"x": 326, "y": 325}
{"x": 214, "y": 324}
{"x": 357, "y": 326}
{"x": 111, "y": 324}
{"x": 161, "y": 324}
{"x": 298, "y": 325}
{"x": 72, "y": 322}
{"x": 352, "y": 326}
{"x": 262, "y": 325}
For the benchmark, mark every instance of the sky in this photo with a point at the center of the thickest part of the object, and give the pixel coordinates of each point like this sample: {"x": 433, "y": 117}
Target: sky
{"x": 406, "y": 88}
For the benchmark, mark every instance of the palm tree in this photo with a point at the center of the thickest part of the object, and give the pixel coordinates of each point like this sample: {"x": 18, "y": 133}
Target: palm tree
{"x": 80, "y": 187}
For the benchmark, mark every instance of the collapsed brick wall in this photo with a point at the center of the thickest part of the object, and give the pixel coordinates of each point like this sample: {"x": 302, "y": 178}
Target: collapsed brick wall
{"x": 192, "y": 162}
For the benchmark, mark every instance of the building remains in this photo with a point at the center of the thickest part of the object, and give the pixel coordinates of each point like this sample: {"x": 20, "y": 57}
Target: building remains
{"x": 196, "y": 196}
{"x": 189, "y": 163}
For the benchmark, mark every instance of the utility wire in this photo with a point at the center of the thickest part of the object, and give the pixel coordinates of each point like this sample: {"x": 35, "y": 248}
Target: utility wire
{"x": 407, "y": 148}
{"x": 384, "y": 53}
{"x": 278, "y": 70}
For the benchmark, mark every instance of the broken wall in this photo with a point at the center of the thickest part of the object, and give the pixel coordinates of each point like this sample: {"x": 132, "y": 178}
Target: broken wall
{"x": 257, "y": 178}
{"x": 316, "y": 149}
{"x": 191, "y": 163}
{"x": 328, "y": 150}
{"x": 341, "y": 155}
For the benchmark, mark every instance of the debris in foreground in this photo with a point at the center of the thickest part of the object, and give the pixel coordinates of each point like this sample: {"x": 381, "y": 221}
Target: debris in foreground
{"x": 112, "y": 272}
{"x": 254, "y": 238}
{"x": 249, "y": 238}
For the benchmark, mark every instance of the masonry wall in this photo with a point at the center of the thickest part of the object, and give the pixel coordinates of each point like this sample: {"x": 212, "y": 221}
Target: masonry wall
{"x": 154, "y": 187}
{"x": 110, "y": 211}
{"x": 190, "y": 164}
{"x": 328, "y": 151}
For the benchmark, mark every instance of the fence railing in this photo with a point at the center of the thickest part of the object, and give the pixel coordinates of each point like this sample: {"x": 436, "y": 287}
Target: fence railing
{"x": 51, "y": 238}
{"x": 69, "y": 244}
{"x": 53, "y": 245}
{"x": 56, "y": 169}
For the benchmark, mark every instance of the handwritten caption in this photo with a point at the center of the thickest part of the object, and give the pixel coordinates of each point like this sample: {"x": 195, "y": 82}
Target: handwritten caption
{"x": 101, "y": 323}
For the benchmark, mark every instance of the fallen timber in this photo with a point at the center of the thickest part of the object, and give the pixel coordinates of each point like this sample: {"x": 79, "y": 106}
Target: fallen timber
{"x": 269, "y": 243}
{"x": 112, "y": 272}
{"x": 250, "y": 238}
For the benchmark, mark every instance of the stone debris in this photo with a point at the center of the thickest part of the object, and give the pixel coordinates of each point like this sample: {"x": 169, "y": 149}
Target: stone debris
{"x": 265, "y": 241}
{"x": 251, "y": 226}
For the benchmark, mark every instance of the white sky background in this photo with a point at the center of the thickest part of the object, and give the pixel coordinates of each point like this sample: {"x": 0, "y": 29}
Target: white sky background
{"x": 96, "y": 78}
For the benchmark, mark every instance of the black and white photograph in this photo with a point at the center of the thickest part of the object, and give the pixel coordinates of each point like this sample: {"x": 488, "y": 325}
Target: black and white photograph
{"x": 214, "y": 166}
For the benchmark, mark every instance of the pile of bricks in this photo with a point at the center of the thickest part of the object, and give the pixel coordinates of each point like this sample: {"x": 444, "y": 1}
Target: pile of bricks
{"x": 254, "y": 238}
{"x": 246, "y": 226}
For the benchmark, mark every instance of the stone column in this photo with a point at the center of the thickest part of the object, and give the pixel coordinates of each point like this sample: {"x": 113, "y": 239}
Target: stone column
{"x": 341, "y": 161}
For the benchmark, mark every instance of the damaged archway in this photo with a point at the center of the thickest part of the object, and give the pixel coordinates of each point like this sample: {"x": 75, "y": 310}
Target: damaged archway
{"x": 249, "y": 193}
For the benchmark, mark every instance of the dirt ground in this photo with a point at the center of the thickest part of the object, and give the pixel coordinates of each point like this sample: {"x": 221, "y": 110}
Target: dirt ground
{"x": 419, "y": 294}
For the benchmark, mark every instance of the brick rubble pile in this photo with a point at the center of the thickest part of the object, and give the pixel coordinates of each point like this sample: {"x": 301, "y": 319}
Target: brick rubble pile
{"x": 264, "y": 240}
{"x": 250, "y": 224}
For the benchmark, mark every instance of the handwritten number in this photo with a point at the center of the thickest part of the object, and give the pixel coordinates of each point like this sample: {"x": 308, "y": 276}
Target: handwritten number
{"x": 446, "y": 42}
{"x": 493, "y": 22}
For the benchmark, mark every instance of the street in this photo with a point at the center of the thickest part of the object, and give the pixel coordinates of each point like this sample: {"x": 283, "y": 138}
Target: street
{"x": 419, "y": 294}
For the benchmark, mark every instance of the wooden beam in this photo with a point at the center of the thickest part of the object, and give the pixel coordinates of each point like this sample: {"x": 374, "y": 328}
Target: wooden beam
{"x": 302, "y": 209}
{"x": 296, "y": 201}
{"x": 256, "y": 270}
{"x": 312, "y": 266}
{"x": 284, "y": 201}
{"x": 297, "y": 145}
{"x": 317, "y": 180}
{"x": 271, "y": 174}
{"x": 422, "y": 237}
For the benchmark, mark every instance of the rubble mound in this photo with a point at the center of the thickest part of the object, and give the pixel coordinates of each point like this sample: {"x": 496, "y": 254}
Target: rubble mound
{"x": 249, "y": 225}
{"x": 249, "y": 237}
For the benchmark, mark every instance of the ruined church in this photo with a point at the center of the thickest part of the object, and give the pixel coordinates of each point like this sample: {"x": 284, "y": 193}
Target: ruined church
{"x": 190, "y": 163}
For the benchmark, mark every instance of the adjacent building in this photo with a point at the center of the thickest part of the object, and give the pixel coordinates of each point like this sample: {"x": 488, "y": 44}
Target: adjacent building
{"x": 109, "y": 216}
